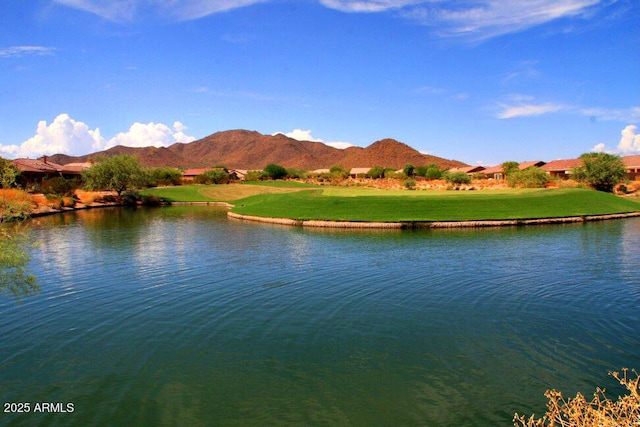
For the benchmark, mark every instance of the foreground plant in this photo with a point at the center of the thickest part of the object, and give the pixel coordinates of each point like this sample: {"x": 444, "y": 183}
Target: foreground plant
{"x": 599, "y": 411}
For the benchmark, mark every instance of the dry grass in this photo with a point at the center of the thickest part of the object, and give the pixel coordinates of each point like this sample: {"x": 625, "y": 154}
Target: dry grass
{"x": 14, "y": 204}
{"x": 599, "y": 411}
{"x": 237, "y": 192}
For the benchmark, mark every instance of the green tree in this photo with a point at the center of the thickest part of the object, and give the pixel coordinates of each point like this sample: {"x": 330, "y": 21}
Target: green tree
{"x": 165, "y": 176}
{"x": 601, "y": 171}
{"x": 8, "y": 173}
{"x": 532, "y": 177}
{"x": 213, "y": 176}
{"x": 409, "y": 170}
{"x": 457, "y": 178}
{"x": 509, "y": 167}
{"x": 274, "y": 171}
{"x": 13, "y": 260}
{"x": 430, "y": 172}
{"x": 339, "y": 172}
{"x": 376, "y": 172}
{"x": 117, "y": 173}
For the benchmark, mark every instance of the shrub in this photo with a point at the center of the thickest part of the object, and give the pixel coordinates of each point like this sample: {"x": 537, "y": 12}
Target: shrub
{"x": 60, "y": 186}
{"x": 430, "y": 172}
{"x": 164, "y": 176}
{"x": 273, "y": 171}
{"x": 14, "y": 204}
{"x": 599, "y": 411}
{"x": 213, "y": 176}
{"x": 297, "y": 174}
{"x": 532, "y": 177}
{"x": 409, "y": 184}
{"x": 456, "y": 178}
{"x": 8, "y": 173}
{"x": 601, "y": 171}
{"x": 339, "y": 172}
{"x": 254, "y": 176}
{"x": 376, "y": 172}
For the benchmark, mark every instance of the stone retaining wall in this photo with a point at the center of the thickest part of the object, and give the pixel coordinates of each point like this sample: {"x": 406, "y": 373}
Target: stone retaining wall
{"x": 428, "y": 224}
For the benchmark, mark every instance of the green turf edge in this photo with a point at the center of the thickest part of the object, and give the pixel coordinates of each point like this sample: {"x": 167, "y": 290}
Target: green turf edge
{"x": 463, "y": 206}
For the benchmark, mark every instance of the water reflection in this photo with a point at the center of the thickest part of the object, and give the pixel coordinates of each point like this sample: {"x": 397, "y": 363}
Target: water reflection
{"x": 14, "y": 258}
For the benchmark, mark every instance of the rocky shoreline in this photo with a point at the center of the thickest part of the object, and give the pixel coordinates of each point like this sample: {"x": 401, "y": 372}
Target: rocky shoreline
{"x": 429, "y": 224}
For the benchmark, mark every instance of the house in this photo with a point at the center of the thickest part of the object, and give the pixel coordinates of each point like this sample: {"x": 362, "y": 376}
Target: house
{"x": 469, "y": 170}
{"x": 495, "y": 172}
{"x": 358, "y": 172}
{"x": 34, "y": 171}
{"x": 632, "y": 163}
{"x": 561, "y": 168}
{"x": 190, "y": 174}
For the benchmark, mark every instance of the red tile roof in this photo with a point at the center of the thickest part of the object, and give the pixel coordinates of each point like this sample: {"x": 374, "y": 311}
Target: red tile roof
{"x": 631, "y": 161}
{"x": 33, "y": 165}
{"x": 562, "y": 165}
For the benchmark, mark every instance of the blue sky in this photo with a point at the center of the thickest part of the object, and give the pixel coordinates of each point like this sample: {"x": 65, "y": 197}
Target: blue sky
{"x": 481, "y": 81}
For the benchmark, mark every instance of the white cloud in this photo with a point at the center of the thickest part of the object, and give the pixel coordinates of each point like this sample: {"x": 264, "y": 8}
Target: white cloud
{"x": 483, "y": 19}
{"x": 15, "y": 51}
{"x": 130, "y": 10}
{"x": 367, "y": 5}
{"x": 630, "y": 140}
{"x": 510, "y": 112}
{"x": 113, "y": 10}
{"x": 150, "y": 135}
{"x": 305, "y": 135}
{"x": 67, "y": 136}
{"x": 64, "y": 135}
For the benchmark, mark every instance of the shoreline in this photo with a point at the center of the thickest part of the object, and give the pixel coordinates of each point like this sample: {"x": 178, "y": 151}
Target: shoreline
{"x": 430, "y": 224}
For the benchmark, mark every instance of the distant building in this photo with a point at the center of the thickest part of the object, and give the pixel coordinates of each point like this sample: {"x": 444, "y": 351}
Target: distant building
{"x": 561, "y": 168}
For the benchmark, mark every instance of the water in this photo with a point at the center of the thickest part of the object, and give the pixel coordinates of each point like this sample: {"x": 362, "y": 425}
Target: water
{"x": 178, "y": 316}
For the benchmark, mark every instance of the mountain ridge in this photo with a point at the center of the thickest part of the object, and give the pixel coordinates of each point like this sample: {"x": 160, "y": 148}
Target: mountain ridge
{"x": 245, "y": 149}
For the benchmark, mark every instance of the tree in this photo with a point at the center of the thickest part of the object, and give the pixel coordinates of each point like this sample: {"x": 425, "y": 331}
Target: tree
{"x": 213, "y": 176}
{"x": 431, "y": 171}
{"x": 457, "y": 178}
{"x": 8, "y": 173}
{"x": 601, "y": 171}
{"x": 532, "y": 177}
{"x": 117, "y": 173}
{"x": 14, "y": 258}
{"x": 509, "y": 167}
{"x": 274, "y": 171}
{"x": 408, "y": 170}
{"x": 376, "y": 172}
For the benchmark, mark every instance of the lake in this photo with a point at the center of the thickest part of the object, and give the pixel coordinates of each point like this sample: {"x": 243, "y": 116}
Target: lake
{"x": 179, "y": 316}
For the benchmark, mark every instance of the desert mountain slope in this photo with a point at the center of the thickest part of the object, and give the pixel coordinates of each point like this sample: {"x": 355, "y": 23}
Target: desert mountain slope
{"x": 243, "y": 149}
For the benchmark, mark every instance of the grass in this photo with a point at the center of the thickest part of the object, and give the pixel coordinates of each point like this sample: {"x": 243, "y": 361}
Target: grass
{"x": 400, "y": 206}
{"x": 223, "y": 193}
{"x": 284, "y": 199}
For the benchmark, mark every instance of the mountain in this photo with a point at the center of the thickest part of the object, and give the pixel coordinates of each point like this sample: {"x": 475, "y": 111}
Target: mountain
{"x": 243, "y": 149}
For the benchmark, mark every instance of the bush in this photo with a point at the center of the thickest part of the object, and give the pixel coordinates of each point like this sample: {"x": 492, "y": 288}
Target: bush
{"x": 376, "y": 172}
{"x": 60, "y": 186}
{"x": 8, "y": 173}
{"x": 601, "y": 171}
{"x": 164, "y": 176}
{"x": 297, "y": 174}
{"x": 254, "y": 176}
{"x": 273, "y": 171}
{"x": 430, "y": 172}
{"x": 409, "y": 184}
{"x": 14, "y": 204}
{"x": 457, "y": 178}
{"x": 532, "y": 177}
{"x": 213, "y": 176}
{"x": 339, "y": 172}
{"x": 600, "y": 411}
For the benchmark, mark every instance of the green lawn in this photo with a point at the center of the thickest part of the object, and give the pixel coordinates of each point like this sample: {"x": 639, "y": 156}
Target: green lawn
{"x": 344, "y": 204}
